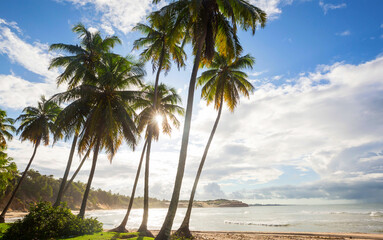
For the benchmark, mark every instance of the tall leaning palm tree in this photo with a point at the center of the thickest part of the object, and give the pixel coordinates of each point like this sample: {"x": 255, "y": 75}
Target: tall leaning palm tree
{"x": 223, "y": 82}
{"x": 108, "y": 111}
{"x": 167, "y": 108}
{"x": 161, "y": 45}
{"x": 78, "y": 65}
{"x": 212, "y": 24}
{"x": 36, "y": 125}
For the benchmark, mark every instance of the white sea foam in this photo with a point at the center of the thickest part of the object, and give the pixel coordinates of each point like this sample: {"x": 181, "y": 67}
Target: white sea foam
{"x": 376, "y": 214}
{"x": 371, "y": 214}
{"x": 266, "y": 224}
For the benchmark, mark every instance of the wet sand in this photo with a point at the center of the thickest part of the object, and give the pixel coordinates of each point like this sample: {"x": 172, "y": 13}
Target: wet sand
{"x": 281, "y": 236}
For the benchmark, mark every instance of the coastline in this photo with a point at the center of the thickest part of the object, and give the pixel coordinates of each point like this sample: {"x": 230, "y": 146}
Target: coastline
{"x": 230, "y": 235}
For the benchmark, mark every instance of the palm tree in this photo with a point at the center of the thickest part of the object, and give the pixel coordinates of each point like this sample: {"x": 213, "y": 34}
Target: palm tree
{"x": 223, "y": 82}
{"x": 83, "y": 63}
{"x": 161, "y": 45}
{"x": 36, "y": 125}
{"x": 107, "y": 106}
{"x": 77, "y": 67}
{"x": 6, "y": 128}
{"x": 211, "y": 24}
{"x": 167, "y": 100}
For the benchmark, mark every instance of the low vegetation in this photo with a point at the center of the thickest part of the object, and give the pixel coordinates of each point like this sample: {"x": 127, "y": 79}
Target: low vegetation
{"x": 46, "y": 222}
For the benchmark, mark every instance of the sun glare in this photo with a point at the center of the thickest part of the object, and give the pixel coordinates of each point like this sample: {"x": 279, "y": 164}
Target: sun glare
{"x": 158, "y": 119}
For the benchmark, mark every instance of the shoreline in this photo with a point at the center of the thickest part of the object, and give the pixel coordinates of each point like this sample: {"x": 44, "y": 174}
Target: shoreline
{"x": 257, "y": 235}
{"x": 234, "y": 235}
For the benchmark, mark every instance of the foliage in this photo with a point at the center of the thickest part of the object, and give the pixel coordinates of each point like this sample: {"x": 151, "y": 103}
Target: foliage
{"x": 42, "y": 187}
{"x": 84, "y": 61}
{"x": 167, "y": 108}
{"x": 224, "y": 81}
{"x": 8, "y": 170}
{"x": 6, "y": 128}
{"x": 45, "y": 222}
{"x": 3, "y": 228}
{"x": 161, "y": 42}
{"x": 38, "y": 122}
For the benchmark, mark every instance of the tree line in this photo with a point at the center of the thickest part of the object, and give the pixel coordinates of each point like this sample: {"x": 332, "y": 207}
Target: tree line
{"x": 37, "y": 187}
{"x": 107, "y": 102}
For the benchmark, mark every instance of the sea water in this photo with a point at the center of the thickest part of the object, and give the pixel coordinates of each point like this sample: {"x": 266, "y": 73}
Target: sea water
{"x": 366, "y": 218}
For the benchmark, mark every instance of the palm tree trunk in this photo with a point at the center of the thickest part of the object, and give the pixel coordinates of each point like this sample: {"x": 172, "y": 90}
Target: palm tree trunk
{"x": 184, "y": 230}
{"x": 65, "y": 177}
{"x": 2, "y": 216}
{"x": 77, "y": 170}
{"x": 158, "y": 76}
{"x": 164, "y": 233}
{"x": 143, "y": 229}
{"x": 86, "y": 193}
{"x": 122, "y": 228}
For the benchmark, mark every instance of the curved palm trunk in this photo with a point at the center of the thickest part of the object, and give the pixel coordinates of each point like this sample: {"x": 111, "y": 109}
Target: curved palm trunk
{"x": 86, "y": 193}
{"x": 143, "y": 229}
{"x": 184, "y": 230}
{"x": 2, "y": 216}
{"x": 65, "y": 177}
{"x": 77, "y": 170}
{"x": 164, "y": 233}
{"x": 122, "y": 228}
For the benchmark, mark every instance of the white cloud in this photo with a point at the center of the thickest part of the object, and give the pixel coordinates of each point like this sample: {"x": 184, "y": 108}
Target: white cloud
{"x": 256, "y": 74}
{"x": 271, "y": 7}
{"x": 344, "y": 33}
{"x": 115, "y": 14}
{"x": 318, "y": 121}
{"x": 328, "y": 6}
{"x": 17, "y": 92}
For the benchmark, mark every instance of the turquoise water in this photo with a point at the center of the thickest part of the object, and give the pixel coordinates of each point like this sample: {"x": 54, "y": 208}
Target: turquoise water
{"x": 366, "y": 218}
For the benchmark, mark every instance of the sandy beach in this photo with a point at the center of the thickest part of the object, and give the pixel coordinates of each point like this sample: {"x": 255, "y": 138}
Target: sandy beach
{"x": 232, "y": 235}
{"x": 210, "y": 235}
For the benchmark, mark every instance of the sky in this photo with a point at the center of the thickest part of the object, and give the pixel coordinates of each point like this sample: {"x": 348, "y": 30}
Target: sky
{"x": 311, "y": 132}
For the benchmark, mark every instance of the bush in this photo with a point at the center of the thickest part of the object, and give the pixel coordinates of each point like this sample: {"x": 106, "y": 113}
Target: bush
{"x": 46, "y": 222}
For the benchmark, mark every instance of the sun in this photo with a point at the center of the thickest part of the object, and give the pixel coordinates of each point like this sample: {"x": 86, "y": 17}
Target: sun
{"x": 158, "y": 119}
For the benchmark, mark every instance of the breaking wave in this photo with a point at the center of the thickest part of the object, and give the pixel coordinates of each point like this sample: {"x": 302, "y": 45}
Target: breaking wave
{"x": 257, "y": 223}
{"x": 371, "y": 214}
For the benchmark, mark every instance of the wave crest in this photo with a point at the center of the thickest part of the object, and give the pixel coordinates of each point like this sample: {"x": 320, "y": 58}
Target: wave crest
{"x": 256, "y": 223}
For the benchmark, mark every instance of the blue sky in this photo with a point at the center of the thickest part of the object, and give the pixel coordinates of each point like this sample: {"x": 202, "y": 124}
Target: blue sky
{"x": 318, "y": 78}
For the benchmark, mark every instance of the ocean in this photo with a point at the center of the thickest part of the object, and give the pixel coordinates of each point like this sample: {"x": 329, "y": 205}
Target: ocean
{"x": 365, "y": 218}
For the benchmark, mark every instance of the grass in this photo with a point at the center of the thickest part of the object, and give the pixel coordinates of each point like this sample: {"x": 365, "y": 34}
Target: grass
{"x": 3, "y": 228}
{"x": 110, "y": 235}
{"x": 96, "y": 236}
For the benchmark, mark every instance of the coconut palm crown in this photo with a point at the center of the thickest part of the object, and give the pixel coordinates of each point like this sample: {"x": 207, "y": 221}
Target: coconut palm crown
{"x": 224, "y": 81}
{"x": 38, "y": 122}
{"x": 166, "y": 108}
{"x": 83, "y": 63}
{"x": 6, "y": 128}
{"x": 161, "y": 43}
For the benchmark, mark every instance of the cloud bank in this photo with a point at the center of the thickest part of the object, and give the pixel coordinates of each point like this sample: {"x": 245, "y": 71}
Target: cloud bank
{"x": 16, "y": 92}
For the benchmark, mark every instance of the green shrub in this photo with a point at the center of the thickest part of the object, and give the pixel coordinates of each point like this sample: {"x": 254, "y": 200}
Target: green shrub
{"x": 46, "y": 222}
